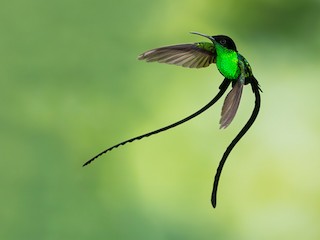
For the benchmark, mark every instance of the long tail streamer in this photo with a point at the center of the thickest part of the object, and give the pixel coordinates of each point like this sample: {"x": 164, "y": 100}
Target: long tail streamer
{"x": 256, "y": 90}
{"x": 223, "y": 87}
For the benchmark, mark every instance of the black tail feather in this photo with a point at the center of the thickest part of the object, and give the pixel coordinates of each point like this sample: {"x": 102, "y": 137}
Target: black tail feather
{"x": 256, "y": 90}
{"x": 223, "y": 87}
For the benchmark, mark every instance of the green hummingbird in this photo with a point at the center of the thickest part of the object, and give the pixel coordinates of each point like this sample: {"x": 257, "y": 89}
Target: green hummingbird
{"x": 236, "y": 71}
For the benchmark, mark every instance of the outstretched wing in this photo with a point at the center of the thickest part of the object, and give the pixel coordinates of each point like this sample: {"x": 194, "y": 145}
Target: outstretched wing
{"x": 231, "y": 104}
{"x": 196, "y": 55}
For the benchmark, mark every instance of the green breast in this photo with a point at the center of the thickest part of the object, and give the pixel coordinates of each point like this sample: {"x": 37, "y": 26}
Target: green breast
{"x": 227, "y": 64}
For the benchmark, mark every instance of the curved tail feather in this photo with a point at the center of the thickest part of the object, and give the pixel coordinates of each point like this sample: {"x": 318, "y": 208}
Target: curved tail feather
{"x": 256, "y": 90}
{"x": 223, "y": 87}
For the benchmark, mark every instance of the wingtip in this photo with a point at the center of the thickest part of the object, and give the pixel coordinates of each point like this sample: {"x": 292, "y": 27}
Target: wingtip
{"x": 223, "y": 126}
{"x": 141, "y": 56}
{"x": 146, "y": 55}
{"x": 224, "y": 123}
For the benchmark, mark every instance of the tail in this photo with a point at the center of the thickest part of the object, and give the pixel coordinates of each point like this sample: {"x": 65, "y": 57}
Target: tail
{"x": 223, "y": 87}
{"x": 256, "y": 90}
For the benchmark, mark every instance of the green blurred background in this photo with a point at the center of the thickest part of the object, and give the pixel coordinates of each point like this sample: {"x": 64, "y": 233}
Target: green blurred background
{"x": 71, "y": 85}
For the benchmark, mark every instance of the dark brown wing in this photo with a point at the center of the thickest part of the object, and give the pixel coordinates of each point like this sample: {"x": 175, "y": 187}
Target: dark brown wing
{"x": 231, "y": 104}
{"x": 195, "y": 55}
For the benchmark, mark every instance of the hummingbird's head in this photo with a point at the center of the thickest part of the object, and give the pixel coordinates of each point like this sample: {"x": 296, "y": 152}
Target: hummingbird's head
{"x": 223, "y": 40}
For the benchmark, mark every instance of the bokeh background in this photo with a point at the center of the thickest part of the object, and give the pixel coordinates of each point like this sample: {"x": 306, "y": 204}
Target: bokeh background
{"x": 71, "y": 85}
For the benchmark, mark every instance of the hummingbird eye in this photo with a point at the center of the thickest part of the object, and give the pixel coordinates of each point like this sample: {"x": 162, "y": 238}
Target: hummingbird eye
{"x": 223, "y": 41}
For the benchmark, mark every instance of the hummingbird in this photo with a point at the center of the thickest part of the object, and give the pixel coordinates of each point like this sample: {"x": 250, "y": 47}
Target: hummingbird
{"x": 222, "y": 51}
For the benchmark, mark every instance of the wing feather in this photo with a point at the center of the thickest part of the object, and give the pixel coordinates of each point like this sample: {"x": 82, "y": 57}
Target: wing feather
{"x": 231, "y": 104}
{"x": 196, "y": 55}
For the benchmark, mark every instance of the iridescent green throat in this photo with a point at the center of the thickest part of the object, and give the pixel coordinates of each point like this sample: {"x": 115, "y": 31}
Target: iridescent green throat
{"x": 227, "y": 62}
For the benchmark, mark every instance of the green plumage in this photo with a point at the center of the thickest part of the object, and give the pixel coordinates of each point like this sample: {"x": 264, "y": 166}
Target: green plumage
{"x": 206, "y": 46}
{"x": 227, "y": 62}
